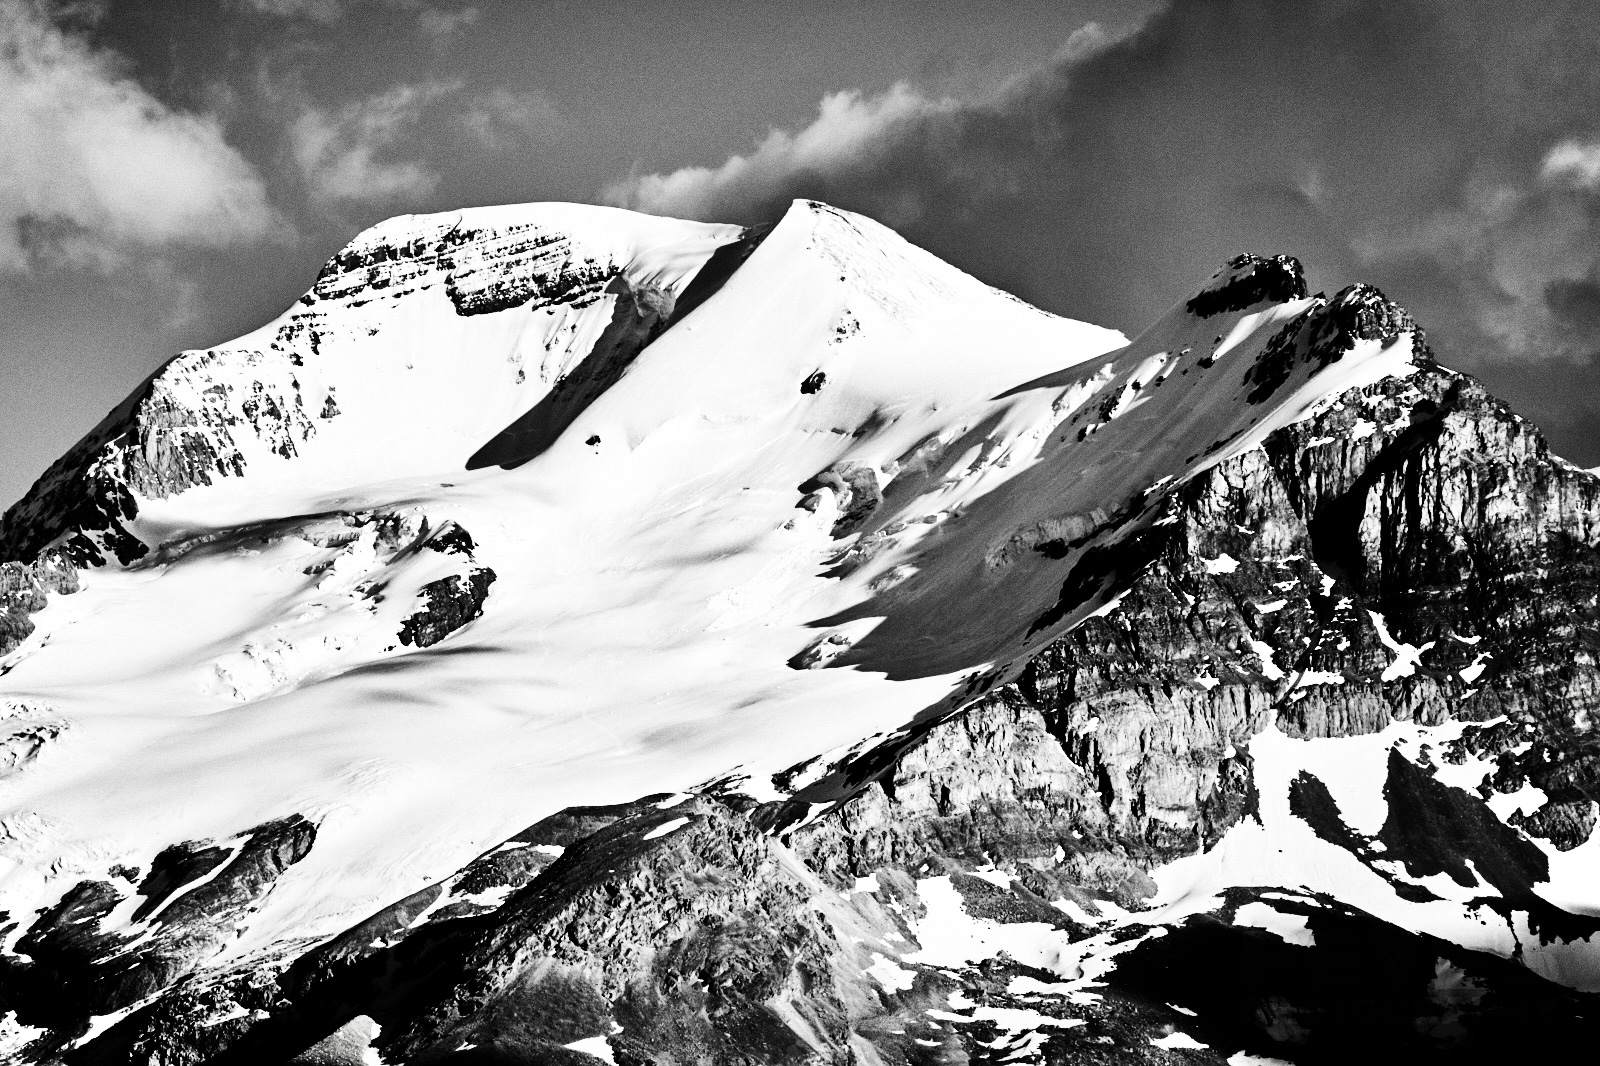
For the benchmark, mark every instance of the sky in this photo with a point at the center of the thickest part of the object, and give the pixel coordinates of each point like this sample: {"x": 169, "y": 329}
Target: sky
{"x": 174, "y": 172}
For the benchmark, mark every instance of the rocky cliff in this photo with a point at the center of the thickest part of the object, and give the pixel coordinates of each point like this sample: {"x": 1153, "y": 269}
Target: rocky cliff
{"x": 1414, "y": 553}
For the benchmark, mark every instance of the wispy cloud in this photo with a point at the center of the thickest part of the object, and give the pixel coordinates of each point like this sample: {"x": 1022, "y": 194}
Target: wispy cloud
{"x": 346, "y": 154}
{"x": 851, "y": 133}
{"x": 92, "y": 165}
{"x": 1107, "y": 180}
{"x": 437, "y": 21}
{"x": 501, "y": 117}
{"x": 319, "y": 10}
{"x": 1446, "y": 150}
{"x": 906, "y": 154}
{"x": 439, "y": 24}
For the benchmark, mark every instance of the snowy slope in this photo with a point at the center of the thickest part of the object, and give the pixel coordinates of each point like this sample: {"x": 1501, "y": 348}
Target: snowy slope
{"x": 848, "y": 491}
{"x": 650, "y": 588}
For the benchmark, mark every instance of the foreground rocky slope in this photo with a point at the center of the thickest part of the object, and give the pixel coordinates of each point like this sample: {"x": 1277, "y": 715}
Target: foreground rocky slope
{"x": 1224, "y": 698}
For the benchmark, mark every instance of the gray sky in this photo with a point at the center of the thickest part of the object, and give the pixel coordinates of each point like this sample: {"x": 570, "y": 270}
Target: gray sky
{"x": 175, "y": 171}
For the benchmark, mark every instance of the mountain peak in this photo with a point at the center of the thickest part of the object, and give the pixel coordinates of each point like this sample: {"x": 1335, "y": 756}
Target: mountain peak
{"x": 1247, "y": 280}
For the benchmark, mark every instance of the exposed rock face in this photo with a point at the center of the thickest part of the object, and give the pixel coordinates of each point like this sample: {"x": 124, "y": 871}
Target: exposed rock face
{"x": 448, "y": 603}
{"x": 606, "y": 931}
{"x": 855, "y": 490}
{"x": 184, "y": 428}
{"x": 674, "y": 930}
{"x": 1246, "y": 280}
{"x": 1417, "y": 513}
{"x": 24, "y": 588}
{"x": 482, "y": 271}
{"x": 1324, "y": 333}
{"x": 278, "y": 1005}
{"x": 668, "y": 931}
{"x": 196, "y": 897}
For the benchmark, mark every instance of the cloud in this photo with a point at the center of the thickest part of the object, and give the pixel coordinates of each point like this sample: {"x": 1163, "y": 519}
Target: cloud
{"x": 501, "y": 117}
{"x": 906, "y": 155}
{"x": 94, "y": 166}
{"x": 437, "y": 22}
{"x": 317, "y": 10}
{"x": 344, "y": 153}
{"x": 850, "y": 134}
{"x": 1574, "y": 163}
{"x": 1443, "y": 149}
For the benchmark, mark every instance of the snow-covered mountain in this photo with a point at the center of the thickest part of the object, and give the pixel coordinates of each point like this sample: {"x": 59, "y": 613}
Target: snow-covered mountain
{"x": 571, "y": 634}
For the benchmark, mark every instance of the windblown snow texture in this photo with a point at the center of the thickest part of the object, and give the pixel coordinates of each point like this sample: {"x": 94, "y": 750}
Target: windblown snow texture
{"x": 567, "y": 635}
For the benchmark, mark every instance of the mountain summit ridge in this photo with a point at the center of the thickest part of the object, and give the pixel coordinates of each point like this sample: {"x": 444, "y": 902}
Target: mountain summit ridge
{"x": 521, "y": 513}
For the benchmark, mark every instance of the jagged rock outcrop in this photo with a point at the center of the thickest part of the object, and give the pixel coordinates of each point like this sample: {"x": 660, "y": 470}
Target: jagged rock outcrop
{"x": 447, "y": 603}
{"x": 1414, "y": 552}
{"x": 25, "y": 588}
{"x": 855, "y": 490}
{"x": 188, "y": 425}
{"x": 1247, "y": 280}
{"x": 1324, "y": 333}
{"x": 69, "y": 966}
{"x": 482, "y": 270}
{"x": 668, "y": 930}
{"x": 609, "y": 933}
{"x": 27, "y": 729}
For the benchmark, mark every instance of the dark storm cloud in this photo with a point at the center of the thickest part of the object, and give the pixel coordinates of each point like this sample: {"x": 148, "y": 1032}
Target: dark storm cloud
{"x": 1446, "y": 151}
